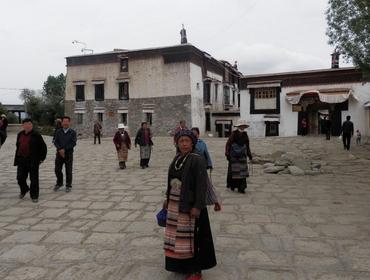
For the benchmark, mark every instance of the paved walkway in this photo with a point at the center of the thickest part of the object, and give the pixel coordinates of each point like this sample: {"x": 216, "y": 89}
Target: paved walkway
{"x": 285, "y": 227}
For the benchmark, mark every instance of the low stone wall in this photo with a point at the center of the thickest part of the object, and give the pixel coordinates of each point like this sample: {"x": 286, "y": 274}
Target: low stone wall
{"x": 167, "y": 112}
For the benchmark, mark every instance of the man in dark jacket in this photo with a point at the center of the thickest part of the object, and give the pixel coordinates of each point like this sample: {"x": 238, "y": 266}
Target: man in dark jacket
{"x": 31, "y": 151}
{"x": 65, "y": 140}
{"x": 347, "y": 133}
{"x": 3, "y": 128}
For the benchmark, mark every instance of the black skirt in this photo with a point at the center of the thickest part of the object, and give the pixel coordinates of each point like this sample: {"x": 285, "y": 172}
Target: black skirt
{"x": 204, "y": 255}
{"x": 240, "y": 184}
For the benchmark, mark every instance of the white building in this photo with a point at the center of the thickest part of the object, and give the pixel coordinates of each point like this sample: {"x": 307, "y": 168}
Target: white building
{"x": 276, "y": 103}
{"x": 159, "y": 85}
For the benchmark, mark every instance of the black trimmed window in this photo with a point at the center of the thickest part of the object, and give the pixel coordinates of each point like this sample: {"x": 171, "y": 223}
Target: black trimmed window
{"x": 123, "y": 91}
{"x": 207, "y": 93}
{"x": 100, "y": 117}
{"x": 149, "y": 118}
{"x": 226, "y": 95}
{"x": 99, "y": 92}
{"x": 124, "y": 65}
{"x": 124, "y": 118}
{"x": 216, "y": 92}
{"x": 80, "y": 118}
{"x": 266, "y": 96}
{"x": 80, "y": 93}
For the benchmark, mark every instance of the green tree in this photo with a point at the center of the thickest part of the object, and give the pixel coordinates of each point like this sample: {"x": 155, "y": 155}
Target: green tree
{"x": 53, "y": 93}
{"x": 33, "y": 104}
{"x": 349, "y": 30}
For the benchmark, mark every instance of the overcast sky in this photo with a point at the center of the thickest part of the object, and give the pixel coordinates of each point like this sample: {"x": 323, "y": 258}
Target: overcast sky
{"x": 264, "y": 36}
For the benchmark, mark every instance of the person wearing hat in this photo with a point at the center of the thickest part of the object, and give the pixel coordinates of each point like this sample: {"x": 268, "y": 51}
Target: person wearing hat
{"x": 122, "y": 142}
{"x": 188, "y": 242}
{"x": 236, "y": 151}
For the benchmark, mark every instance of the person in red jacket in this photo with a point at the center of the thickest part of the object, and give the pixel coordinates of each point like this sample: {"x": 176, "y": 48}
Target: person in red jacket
{"x": 30, "y": 153}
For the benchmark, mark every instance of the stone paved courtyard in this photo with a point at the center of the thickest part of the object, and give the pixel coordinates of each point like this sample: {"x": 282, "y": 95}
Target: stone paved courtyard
{"x": 283, "y": 228}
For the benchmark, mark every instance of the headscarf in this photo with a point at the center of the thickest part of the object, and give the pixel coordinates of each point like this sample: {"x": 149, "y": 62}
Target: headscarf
{"x": 186, "y": 132}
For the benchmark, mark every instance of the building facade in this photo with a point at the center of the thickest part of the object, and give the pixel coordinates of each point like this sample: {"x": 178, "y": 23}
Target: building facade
{"x": 160, "y": 85}
{"x": 276, "y": 104}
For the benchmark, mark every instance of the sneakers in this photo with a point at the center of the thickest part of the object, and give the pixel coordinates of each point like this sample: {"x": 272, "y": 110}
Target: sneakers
{"x": 21, "y": 195}
{"x": 68, "y": 189}
{"x": 35, "y": 200}
{"x": 57, "y": 187}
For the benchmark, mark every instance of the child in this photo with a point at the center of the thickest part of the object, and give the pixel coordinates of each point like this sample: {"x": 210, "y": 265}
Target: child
{"x": 358, "y": 137}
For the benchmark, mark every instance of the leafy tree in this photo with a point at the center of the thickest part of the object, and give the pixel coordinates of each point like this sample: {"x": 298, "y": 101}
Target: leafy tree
{"x": 349, "y": 30}
{"x": 33, "y": 104}
{"x": 53, "y": 93}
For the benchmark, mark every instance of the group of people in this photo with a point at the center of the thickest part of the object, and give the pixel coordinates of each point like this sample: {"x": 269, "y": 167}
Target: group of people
{"x": 188, "y": 242}
{"x": 31, "y": 151}
{"x": 346, "y": 132}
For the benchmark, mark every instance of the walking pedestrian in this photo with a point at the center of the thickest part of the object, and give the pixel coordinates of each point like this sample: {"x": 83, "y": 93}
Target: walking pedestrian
{"x": 122, "y": 142}
{"x": 30, "y": 153}
{"x": 65, "y": 141}
{"x": 144, "y": 140}
{"x": 327, "y": 127}
{"x": 347, "y": 133}
{"x": 188, "y": 241}
{"x": 202, "y": 150}
{"x": 58, "y": 125}
{"x": 3, "y": 129}
{"x": 304, "y": 126}
{"x": 179, "y": 127}
{"x": 236, "y": 151}
{"x": 97, "y": 131}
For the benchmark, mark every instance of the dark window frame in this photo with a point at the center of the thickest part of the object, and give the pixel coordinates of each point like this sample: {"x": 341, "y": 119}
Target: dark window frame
{"x": 264, "y": 111}
{"x": 99, "y": 92}
{"x": 207, "y": 93}
{"x": 80, "y": 93}
{"x": 149, "y": 117}
{"x": 124, "y": 65}
{"x": 100, "y": 117}
{"x": 80, "y": 118}
{"x": 123, "y": 91}
{"x": 124, "y": 118}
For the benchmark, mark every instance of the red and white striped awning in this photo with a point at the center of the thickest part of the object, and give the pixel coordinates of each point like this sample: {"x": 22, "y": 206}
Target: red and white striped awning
{"x": 336, "y": 95}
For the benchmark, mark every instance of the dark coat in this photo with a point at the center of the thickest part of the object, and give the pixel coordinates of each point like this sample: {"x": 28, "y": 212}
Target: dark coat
{"x": 241, "y": 138}
{"x": 117, "y": 140}
{"x": 66, "y": 141}
{"x": 139, "y": 139}
{"x": 194, "y": 183}
{"x": 38, "y": 148}
{"x": 347, "y": 127}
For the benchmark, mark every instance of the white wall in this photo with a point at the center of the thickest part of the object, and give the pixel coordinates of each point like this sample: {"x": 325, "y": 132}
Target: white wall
{"x": 359, "y": 114}
{"x": 257, "y": 124}
{"x": 197, "y": 106}
{"x": 148, "y": 77}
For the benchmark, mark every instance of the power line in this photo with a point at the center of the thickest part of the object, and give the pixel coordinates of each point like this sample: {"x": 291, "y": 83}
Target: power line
{"x": 11, "y": 88}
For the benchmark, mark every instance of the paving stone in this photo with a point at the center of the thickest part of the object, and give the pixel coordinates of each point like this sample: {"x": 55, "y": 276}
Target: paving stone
{"x": 111, "y": 239}
{"x": 53, "y": 213}
{"x": 314, "y": 228}
{"x": 23, "y": 253}
{"x": 24, "y": 237}
{"x": 115, "y": 215}
{"x": 27, "y": 273}
{"x": 65, "y": 237}
{"x": 72, "y": 254}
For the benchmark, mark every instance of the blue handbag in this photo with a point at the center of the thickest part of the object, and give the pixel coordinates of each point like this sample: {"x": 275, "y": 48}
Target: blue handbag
{"x": 162, "y": 217}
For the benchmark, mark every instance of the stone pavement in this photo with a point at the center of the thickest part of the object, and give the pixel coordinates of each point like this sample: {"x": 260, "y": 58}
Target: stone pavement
{"x": 285, "y": 227}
